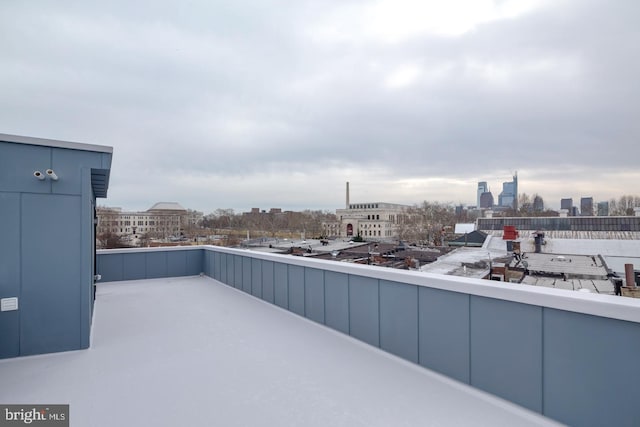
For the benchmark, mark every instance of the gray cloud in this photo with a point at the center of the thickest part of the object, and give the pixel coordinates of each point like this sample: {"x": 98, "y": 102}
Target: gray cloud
{"x": 227, "y": 104}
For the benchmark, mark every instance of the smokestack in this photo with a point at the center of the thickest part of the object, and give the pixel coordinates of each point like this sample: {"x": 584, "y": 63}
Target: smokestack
{"x": 347, "y": 195}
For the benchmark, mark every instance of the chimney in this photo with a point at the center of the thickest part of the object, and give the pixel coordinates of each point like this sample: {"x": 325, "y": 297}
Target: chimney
{"x": 347, "y": 195}
{"x": 631, "y": 280}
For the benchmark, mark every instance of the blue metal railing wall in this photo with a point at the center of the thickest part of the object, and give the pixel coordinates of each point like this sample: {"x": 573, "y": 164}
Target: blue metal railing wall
{"x": 568, "y": 356}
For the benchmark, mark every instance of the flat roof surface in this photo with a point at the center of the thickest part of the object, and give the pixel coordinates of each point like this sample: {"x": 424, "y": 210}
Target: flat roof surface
{"x": 192, "y": 351}
{"x": 576, "y": 265}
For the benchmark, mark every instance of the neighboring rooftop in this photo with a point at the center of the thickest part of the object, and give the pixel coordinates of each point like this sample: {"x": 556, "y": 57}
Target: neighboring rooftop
{"x": 167, "y": 206}
{"x": 192, "y": 351}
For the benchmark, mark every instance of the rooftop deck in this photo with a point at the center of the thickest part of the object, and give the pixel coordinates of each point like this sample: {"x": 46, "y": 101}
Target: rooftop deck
{"x": 192, "y": 351}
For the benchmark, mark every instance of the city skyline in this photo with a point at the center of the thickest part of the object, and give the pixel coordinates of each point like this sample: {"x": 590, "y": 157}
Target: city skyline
{"x": 277, "y": 104}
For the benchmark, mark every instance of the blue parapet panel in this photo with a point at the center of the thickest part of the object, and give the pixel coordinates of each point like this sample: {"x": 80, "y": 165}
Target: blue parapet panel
{"x": 296, "y": 289}
{"x": 223, "y": 265}
{"x": 314, "y": 294}
{"x": 506, "y": 350}
{"x": 364, "y": 310}
{"x": 237, "y": 271}
{"x": 156, "y": 265}
{"x": 256, "y": 277}
{"x": 267, "y": 281}
{"x": 176, "y": 263}
{"x": 217, "y": 266}
{"x": 50, "y": 187}
{"x": 111, "y": 267}
{"x": 281, "y": 285}
{"x": 195, "y": 262}
{"x": 135, "y": 266}
{"x": 246, "y": 274}
{"x": 589, "y": 362}
{"x": 444, "y": 332}
{"x": 399, "y": 319}
{"x": 336, "y": 294}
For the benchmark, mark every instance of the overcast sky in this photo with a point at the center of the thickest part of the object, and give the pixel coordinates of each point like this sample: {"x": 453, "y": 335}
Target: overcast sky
{"x": 232, "y": 104}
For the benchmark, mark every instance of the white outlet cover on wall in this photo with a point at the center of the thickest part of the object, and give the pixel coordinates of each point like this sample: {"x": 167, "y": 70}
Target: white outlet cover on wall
{"x": 9, "y": 304}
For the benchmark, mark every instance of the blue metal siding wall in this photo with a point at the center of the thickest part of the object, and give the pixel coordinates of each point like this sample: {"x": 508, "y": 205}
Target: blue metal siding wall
{"x": 48, "y": 262}
{"x": 51, "y": 286}
{"x": 87, "y": 248}
{"x": 9, "y": 271}
{"x": 576, "y": 368}
{"x": 17, "y": 164}
{"x": 65, "y": 164}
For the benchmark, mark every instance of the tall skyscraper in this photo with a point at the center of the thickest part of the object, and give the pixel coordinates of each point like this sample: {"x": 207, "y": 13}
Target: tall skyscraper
{"x": 586, "y": 206}
{"x": 603, "y": 208}
{"x": 482, "y": 188}
{"x": 486, "y": 200}
{"x": 509, "y": 196}
{"x": 566, "y": 204}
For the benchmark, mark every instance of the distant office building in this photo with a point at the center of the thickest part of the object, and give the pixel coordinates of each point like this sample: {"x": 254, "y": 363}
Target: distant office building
{"x": 162, "y": 220}
{"x": 574, "y": 211}
{"x": 509, "y": 196}
{"x": 567, "y": 204}
{"x": 379, "y": 221}
{"x": 538, "y": 204}
{"x": 586, "y": 206}
{"x": 368, "y": 220}
{"x": 482, "y": 188}
{"x": 258, "y": 212}
{"x": 603, "y": 208}
{"x": 486, "y": 200}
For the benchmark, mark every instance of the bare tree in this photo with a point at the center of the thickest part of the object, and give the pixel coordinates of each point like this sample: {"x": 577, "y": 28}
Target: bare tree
{"x": 425, "y": 224}
{"x": 624, "y": 205}
{"x": 108, "y": 230}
